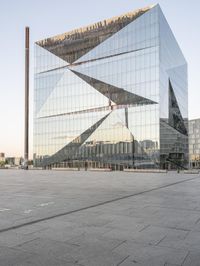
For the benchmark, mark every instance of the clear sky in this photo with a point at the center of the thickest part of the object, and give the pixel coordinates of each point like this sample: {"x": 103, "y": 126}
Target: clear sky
{"x": 51, "y": 17}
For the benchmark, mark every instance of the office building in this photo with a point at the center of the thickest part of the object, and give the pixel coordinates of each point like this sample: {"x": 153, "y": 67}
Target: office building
{"x": 194, "y": 143}
{"x": 14, "y": 161}
{"x": 113, "y": 94}
{"x": 2, "y": 157}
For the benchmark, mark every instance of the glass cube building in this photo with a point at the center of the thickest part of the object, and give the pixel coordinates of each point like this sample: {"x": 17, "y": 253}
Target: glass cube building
{"x": 113, "y": 94}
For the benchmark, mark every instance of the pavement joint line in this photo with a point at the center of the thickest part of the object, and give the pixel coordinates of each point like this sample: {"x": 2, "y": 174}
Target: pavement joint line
{"x": 179, "y": 228}
{"x": 197, "y": 221}
{"x": 160, "y": 241}
{"x": 144, "y": 228}
{"x": 93, "y": 206}
{"x": 26, "y": 242}
{"x": 185, "y": 258}
{"x": 118, "y": 264}
{"x": 124, "y": 241}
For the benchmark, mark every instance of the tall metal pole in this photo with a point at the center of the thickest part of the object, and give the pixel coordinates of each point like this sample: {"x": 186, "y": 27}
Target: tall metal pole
{"x": 26, "y": 133}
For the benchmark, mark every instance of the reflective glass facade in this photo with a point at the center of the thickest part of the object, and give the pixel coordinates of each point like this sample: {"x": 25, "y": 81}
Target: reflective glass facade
{"x": 113, "y": 94}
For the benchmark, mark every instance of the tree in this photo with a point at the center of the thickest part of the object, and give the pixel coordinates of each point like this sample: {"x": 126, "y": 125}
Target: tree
{"x": 2, "y": 163}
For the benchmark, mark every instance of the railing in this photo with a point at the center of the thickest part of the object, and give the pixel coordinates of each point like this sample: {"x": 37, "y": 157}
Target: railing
{"x": 177, "y": 164}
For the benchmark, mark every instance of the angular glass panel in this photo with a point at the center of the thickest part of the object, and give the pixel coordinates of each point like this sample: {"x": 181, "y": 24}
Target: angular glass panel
{"x": 114, "y": 94}
{"x": 70, "y": 149}
{"x": 45, "y": 61}
{"x": 131, "y": 37}
{"x": 173, "y": 100}
{"x": 175, "y": 117}
{"x": 70, "y": 95}
{"x": 53, "y": 133}
{"x": 134, "y": 72}
{"x": 72, "y": 45}
{"x": 110, "y": 142}
{"x": 45, "y": 83}
{"x": 178, "y": 79}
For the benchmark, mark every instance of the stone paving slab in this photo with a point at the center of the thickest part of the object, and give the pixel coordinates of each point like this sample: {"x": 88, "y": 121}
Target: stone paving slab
{"x": 99, "y": 219}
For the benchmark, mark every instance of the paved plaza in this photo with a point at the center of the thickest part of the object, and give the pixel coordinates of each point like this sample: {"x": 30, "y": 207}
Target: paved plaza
{"x": 78, "y": 218}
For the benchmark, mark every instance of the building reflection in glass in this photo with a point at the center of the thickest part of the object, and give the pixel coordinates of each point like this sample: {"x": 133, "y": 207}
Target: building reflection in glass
{"x": 113, "y": 94}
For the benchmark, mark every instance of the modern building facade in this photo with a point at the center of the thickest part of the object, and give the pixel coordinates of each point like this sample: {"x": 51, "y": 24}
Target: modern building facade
{"x": 2, "y": 157}
{"x": 112, "y": 94}
{"x": 194, "y": 143}
{"x": 14, "y": 161}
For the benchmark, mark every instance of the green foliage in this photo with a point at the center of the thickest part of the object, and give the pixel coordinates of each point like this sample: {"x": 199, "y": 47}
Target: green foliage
{"x": 2, "y": 163}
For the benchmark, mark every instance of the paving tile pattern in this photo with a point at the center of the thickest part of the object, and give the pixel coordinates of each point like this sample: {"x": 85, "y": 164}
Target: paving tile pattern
{"x": 153, "y": 220}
